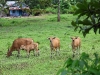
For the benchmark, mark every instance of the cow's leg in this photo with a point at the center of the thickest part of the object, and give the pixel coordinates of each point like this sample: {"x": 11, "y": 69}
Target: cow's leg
{"x": 51, "y": 53}
{"x": 56, "y": 52}
{"x": 18, "y": 53}
{"x": 38, "y": 52}
{"x": 76, "y": 51}
{"x": 33, "y": 52}
{"x": 73, "y": 52}
{"x": 79, "y": 49}
{"x": 28, "y": 53}
{"x": 59, "y": 51}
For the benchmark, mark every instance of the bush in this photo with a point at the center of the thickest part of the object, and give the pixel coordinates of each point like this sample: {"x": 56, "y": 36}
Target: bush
{"x": 50, "y": 10}
{"x": 84, "y": 66}
{"x": 37, "y": 12}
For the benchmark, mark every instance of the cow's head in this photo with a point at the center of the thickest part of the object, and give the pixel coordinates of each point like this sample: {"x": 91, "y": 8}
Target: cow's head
{"x": 51, "y": 38}
{"x": 9, "y": 53}
{"x": 73, "y": 38}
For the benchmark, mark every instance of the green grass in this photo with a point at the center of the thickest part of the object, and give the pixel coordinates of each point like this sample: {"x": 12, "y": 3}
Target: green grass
{"x": 39, "y": 29}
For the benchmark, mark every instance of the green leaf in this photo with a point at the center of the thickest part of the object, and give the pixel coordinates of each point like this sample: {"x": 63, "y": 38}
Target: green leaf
{"x": 68, "y": 63}
{"x": 86, "y": 29}
{"x": 96, "y": 60}
{"x": 94, "y": 71}
{"x": 76, "y": 28}
{"x": 81, "y": 14}
{"x": 95, "y": 30}
{"x": 93, "y": 19}
{"x": 81, "y": 6}
{"x": 75, "y": 63}
{"x": 84, "y": 34}
{"x": 80, "y": 22}
{"x": 73, "y": 23}
{"x": 78, "y": 11}
{"x": 81, "y": 63}
{"x": 62, "y": 72}
{"x": 86, "y": 22}
{"x": 84, "y": 56}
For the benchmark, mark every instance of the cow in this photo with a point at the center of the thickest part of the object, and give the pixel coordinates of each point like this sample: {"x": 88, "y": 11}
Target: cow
{"x": 31, "y": 47}
{"x": 76, "y": 43}
{"x": 54, "y": 45}
{"x": 17, "y": 44}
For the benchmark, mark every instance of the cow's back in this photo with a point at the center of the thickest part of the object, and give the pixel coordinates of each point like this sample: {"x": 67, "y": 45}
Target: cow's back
{"x": 76, "y": 42}
{"x": 56, "y": 42}
{"x": 21, "y": 41}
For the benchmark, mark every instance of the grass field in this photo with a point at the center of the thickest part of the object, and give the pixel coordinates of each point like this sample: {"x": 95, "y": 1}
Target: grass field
{"x": 40, "y": 28}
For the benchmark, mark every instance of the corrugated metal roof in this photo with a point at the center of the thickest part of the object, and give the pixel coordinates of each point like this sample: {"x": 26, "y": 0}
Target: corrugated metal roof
{"x": 18, "y": 6}
{"x": 9, "y": 3}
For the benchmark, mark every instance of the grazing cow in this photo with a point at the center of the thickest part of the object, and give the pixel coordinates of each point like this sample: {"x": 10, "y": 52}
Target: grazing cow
{"x": 76, "y": 43}
{"x": 30, "y": 47}
{"x": 17, "y": 44}
{"x": 54, "y": 45}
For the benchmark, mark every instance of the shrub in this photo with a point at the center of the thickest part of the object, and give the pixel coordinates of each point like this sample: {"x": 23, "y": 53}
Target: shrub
{"x": 84, "y": 66}
{"x": 50, "y": 10}
{"x": 37, "y": 12}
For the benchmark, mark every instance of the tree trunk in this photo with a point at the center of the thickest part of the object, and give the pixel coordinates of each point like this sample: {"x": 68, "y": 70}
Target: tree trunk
{"x": 58, "y": 13}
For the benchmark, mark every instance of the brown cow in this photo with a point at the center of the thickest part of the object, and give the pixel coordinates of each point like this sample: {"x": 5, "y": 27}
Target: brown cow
{"x": 17, "y": 43}
{"x": 30, "y": 47}
{"x": 76, "y": 43}
{"x": 54, "y": 45}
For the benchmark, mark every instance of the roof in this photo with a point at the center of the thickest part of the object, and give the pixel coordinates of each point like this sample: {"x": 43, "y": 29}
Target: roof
{"x": 14, "y": 5}
{"x": 9, "y": 3}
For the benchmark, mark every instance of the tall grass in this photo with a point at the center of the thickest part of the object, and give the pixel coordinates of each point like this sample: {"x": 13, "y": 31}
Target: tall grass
{"x": 40, "y": 28}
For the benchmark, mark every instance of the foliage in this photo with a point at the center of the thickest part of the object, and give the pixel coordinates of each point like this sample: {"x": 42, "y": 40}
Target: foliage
{"x": 64, "y": 6}
{"x": 37, "y": 12}
{"x": 85, "y": 65}
{"x": 2, "y": 2}
{"x": 51, "y": 10}
{"x": 3, "y": 8}
{"x": 45, "y": 4}
{"x": 88, "y": 12}
{"x": 41, "y": 3}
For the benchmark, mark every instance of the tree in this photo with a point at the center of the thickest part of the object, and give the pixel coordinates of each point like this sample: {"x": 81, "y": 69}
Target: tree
{"x": 88, "y": 12}
{"x": 38, "y": 3}
{"x": 3, "y": 7}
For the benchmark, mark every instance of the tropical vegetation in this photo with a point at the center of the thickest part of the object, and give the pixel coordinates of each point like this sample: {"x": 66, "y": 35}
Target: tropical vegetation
{"x": 86, "y": 20}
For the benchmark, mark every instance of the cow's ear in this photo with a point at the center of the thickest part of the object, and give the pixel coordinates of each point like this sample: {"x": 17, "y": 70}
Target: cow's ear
{"x": 76, "y": 37}
{"x": 71, "y": 37}
{"x": 54, "y": 37}
{"x": 48, "y": 38}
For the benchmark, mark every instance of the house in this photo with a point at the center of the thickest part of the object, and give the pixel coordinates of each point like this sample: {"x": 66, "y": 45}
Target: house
{"x": 18, "y": 8}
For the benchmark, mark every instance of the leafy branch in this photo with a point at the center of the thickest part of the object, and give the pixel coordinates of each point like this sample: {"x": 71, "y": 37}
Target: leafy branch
{"x": 88, "y": 16}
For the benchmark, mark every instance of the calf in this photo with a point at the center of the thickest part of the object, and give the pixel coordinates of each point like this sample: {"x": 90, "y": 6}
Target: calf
{"x": 30, "y": 47}
{"x": 54, "y": 45}
{"x": 17, "y": 44}
{"x": 76, "y": 43}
